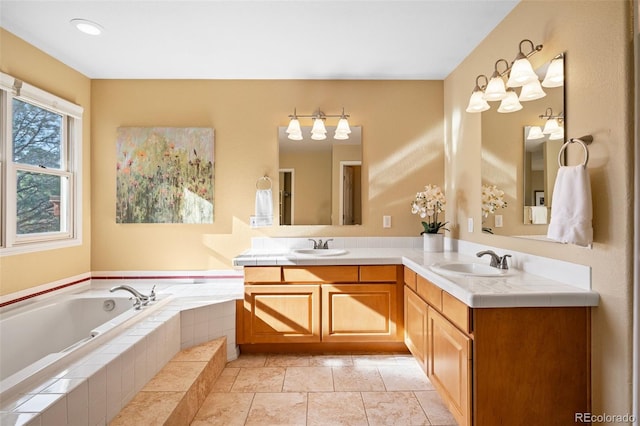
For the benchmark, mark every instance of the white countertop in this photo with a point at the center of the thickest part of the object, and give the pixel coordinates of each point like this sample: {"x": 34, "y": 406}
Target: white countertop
{"x": 518, "y": 289}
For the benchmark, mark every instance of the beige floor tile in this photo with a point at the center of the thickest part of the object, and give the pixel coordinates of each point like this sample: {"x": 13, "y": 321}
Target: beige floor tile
{"x": 230, "y": 371}
{"x": 223, "y": 384}
{"x": 264, "y": 379}
{"x": 224, "y": 409}
{"x": 393, "y": 408}
{"x": 357, "y": 379}
{"x": 374, "y": 360}
{"x": 288, "y": 360}
{"x": 278, "y": 409}
{"x": 404, "y": 378}
{"x": 308, "y": 379}
{"x": 331, "y": 361}
{"x": 248, "y": 360}
{"x": 435, "y": 409}
{"x": 335, "y": 408}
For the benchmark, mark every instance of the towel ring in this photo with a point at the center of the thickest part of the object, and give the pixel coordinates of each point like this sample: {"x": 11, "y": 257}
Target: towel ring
{"x": 265, "y": 178}
{"x": 583, "y": 141}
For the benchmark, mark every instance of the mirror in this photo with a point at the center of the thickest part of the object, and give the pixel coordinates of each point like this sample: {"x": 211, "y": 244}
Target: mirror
{"x": 320, "y": 181}
{"x": 521, "y": 161}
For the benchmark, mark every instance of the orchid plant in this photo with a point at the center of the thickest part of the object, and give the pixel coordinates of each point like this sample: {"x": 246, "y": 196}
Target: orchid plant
{"x": 428, "y": 204}
{"x": 492, "y": 199}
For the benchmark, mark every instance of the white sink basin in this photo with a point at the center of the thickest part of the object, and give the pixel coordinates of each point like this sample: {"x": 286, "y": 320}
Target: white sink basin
{"x": 468, "y": 269}
{"x": 320, "y": 252}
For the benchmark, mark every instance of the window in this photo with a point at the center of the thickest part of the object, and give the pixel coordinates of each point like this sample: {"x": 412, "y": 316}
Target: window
{"x": 40, "y": 175}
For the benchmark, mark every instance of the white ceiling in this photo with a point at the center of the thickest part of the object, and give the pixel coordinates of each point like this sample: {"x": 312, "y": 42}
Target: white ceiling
{"x": 263, "y": 39}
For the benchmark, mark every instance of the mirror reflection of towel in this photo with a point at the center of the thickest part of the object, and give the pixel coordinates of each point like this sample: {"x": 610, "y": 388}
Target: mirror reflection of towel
{"x": 264, "y": 207}
{"x": 538, "y": 215}
{"x": 571, "y": 211}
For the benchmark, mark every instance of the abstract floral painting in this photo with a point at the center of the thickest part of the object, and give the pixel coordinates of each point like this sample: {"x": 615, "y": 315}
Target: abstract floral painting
{"x": 164, "y": 175}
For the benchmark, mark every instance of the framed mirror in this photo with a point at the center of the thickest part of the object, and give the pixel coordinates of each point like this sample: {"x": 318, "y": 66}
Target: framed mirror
{"x": 320, "y": 181}
{"x": 520, "y": 162}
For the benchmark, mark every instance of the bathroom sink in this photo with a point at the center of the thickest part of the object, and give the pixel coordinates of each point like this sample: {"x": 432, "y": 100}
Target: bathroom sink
{"x": 468, "y": 269}
{"x": 320, "y": 252}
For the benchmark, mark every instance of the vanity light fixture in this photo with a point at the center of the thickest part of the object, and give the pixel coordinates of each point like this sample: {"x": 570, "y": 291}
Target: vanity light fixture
{"x": 553, "y": 121}
{"x": 496, "y": 90}
{"x": 557, "y": 134}
{"x": 521, "y": 69}
{"x": 519, "y": 76}
{"x": 86, "y": 26}
{"x": 555, "y": 73}
{"x": 477, "y": 103}
{"x": 318, "y": 131}
{"x": 510, "y": 103}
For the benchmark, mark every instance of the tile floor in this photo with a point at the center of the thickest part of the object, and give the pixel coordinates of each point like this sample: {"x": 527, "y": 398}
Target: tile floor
{"x": 351, "y": 389}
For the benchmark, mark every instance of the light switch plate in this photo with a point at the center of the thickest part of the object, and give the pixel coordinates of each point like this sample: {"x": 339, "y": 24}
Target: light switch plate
{"x": 386, "y": 221}
{"x": 470, "y": 224}
{"x": 498, "y": 221}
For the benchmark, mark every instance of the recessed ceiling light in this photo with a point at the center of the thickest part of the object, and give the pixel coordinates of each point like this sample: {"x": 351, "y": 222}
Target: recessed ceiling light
{"x": 86, "y": 26}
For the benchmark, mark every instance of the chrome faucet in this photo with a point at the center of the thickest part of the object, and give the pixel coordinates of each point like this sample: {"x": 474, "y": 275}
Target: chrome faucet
{"x": 496, "y": 261}
{"x": 319, "y": 244}
{"x": 139, "y": 298}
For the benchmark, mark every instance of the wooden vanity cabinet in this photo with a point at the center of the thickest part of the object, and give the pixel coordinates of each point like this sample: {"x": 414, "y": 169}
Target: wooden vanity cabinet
{"x": 491, "y": 366}
{"x": 321, "y": 304}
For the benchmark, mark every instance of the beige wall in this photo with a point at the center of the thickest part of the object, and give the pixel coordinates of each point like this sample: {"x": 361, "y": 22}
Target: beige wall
{"x": 31, "y": 65}
{"x": 597, "y": 38}
{"x": 402, "y": 128}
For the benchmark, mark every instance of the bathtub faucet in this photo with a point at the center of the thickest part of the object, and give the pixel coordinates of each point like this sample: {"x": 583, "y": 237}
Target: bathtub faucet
{"x": 140, "y": 299}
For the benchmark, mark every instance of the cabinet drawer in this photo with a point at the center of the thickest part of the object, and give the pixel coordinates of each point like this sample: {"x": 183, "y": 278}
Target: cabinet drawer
{"x": 456, "y": 311}
{"x": 431, "y": 293}
{"x": 410, "y": 278}
{"x": 262, "y": 274}
{"x": 325, "y": 274}
{"x": 378, "y": 273}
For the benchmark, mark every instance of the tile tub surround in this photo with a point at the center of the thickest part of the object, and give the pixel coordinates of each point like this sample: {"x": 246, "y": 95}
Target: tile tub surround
{"x": 536, "y": 281}
{"x": 329, "y": 389}
{"x": 93, "y": 389}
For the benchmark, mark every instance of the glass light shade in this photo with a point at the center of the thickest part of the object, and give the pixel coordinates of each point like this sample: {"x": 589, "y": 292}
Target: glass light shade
{"x": 555, "y": 74}
{"x": 295, "y": 136}
{"x": 86, "y": 26}
{"x": 477, "y": 102}
{"x": 510, "y": 103}
{"x": 550, "y": 126}
{"x": 495, "y": 90}
{"x": 535, "y": 132}
{"x": 557, "y": 134}
{"x": 318, "y": 126}
{"x": 521, "y": 73}
{"x": 341, "y": 136}
{"x": 294, "y": 126}
{"x": 532, "y": 91}
{"x": 318, "y": 136}
{"x": 343, "y": 126}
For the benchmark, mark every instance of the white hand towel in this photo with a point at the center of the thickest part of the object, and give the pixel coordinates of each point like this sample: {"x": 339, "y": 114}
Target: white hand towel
{"x": 571, "y": 210}
{"x": 264, "y": 207}
{"x": 538, "y": 215}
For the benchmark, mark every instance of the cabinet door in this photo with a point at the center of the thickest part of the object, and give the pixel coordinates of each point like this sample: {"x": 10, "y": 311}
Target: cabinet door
{"x": 415, "y": 326}
{"x": 449, "y": 365}
{"x": 281, "y": 313}
{"x": 359, "y": 313}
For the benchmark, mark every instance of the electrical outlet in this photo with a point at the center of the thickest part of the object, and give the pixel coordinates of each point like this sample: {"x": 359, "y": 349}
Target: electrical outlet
{"x": 470, "y": 224}
{"x": 386, "y": 221}
{"x": 498, "y": 221}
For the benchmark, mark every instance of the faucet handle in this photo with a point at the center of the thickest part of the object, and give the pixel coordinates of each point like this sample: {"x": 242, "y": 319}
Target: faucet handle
{"x": 152, "y": 295}
{"x": 503, "y": 262}
{"x": 326, "y": 243}
{"x": 315, "y": 243}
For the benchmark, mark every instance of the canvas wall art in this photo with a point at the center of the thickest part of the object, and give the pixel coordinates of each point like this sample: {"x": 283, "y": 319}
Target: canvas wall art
{"x": 164, "y": 175}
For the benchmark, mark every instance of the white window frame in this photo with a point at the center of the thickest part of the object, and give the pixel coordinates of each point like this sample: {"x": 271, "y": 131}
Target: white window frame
{"x": 71, "y": 168}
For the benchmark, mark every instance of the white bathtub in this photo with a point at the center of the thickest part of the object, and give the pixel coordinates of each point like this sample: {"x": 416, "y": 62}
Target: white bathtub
{"x": 40, "y": 335}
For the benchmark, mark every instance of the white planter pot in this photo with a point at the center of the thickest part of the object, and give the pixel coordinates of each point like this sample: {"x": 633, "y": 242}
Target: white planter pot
{"x": 433, "y": 242}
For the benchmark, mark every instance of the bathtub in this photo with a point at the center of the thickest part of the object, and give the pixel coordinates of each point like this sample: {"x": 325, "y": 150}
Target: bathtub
{"x": 42, "y": 335}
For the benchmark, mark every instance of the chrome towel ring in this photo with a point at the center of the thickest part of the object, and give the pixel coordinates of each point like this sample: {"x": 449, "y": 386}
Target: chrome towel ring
{"x": 583, "y": 141}
{"x": 266, "y": 179}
